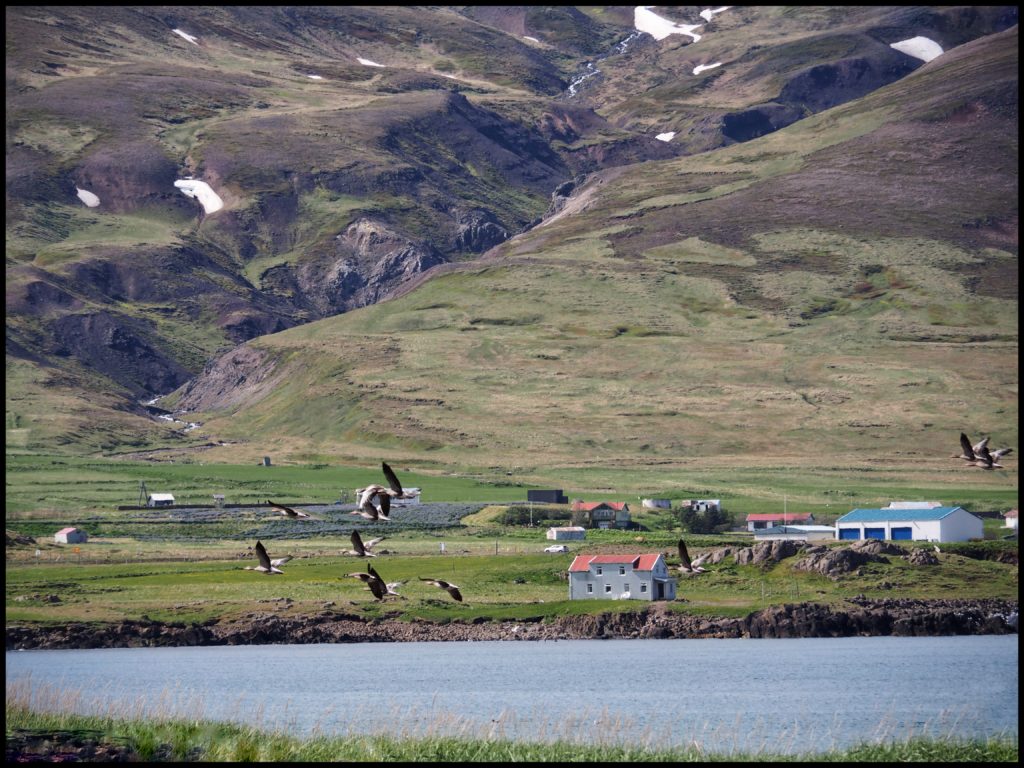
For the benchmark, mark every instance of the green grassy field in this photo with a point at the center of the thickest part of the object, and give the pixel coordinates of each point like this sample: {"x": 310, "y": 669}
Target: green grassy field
{"x": 502, "y": 576}
{"x": 167, "y": 739}
{"x": 65, "y": 488}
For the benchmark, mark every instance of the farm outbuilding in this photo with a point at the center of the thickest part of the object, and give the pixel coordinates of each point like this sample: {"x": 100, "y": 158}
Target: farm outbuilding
{"x": 760, "y": 521}
{"x": 620, "y": 577}
{"x": 70, "y": 536}
{"x": 796, "y": 533}
{"x": 656, "y": 503}
{"x": 922, "y": 524}
{"x": 1011, "y": 519}
{"x": 567, "y": 533}
{"x": 547, "y": 497}
{"x": 160, "y": 500}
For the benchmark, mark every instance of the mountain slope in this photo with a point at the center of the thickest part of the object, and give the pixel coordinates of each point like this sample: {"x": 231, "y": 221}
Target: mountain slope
{"x": 358, "y": 149}
{"x": 842, "y": 291}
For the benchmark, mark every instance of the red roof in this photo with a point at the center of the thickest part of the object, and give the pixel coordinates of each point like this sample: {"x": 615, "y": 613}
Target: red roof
{"x": 1011, "y": 513}
{"x": 787, "y": 517}
{"x": 639, "y": 562}
{"x": 587, "y": 506}
{"x": 66, "y": 530}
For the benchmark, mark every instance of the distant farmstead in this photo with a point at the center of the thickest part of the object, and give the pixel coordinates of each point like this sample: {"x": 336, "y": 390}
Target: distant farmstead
{"x": 70, "y": 536}
{"x": 620, "y": 577}
{"x": 160, "y": 500}
{"x": 796, "y": 533}
{"x": 922, "y": 524}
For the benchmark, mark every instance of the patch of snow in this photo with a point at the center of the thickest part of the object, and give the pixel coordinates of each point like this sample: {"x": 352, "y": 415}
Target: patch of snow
{"x": 368, "y": 63}
{"x": 666, "y": 136}
{"x": 315, "y": 77}
{"x": 186, "y": 35}
{"x": 659, "y": 28}
{"x": 534, "y": 39}
{"x": 87, "y": 197}
{"x": 202, "y": 192}
{"x": 707, "y": 14}
{"x": 919, "y": 47}
{"x": 701, "y": 67}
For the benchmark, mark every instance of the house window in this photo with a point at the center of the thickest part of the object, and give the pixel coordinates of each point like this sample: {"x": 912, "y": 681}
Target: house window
{"x": 607, "y": 588}
{"x": 643, "y": 588}
{"x": 625, "y": 588}
{"x": 599, "y": 570}
{"x": 622, "y": 570}
{"x": 590, "y": 589}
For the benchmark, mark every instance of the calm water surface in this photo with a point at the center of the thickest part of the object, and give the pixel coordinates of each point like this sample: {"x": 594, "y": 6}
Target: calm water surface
{"x": 777, "y": 695}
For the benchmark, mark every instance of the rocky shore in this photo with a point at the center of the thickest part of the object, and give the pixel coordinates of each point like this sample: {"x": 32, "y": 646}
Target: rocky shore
{"x": 857, "y": 617}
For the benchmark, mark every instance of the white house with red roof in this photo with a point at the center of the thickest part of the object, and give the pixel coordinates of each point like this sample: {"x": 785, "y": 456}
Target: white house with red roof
{"x": 1011, "y": 519}
{"x": 620, "y": 577}
{"x": 603, "y": 514}
{"x": 767, "y": 520}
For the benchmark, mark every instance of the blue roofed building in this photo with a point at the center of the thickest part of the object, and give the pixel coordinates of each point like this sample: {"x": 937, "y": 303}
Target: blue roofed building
{"x": 921, "y": 524}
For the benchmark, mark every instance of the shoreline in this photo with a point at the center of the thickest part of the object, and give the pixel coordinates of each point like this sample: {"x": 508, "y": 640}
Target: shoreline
{"x": 857, "y": 617}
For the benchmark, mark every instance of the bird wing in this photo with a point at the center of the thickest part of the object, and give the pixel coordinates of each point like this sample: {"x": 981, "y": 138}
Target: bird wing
{"x": 981, "y": 451}
{"x": 684, "y": 556}
{"x": 261, "y": 555}
{"x": 280, "y": 561}
{"x": 454, "y": 592}
{"x": 998, "y": 454}
{"x": 392, "y": 478}
{"x": 357, "y": 544}
{"x": 965, "y": 444}
{"x": 374, "y": 542}
{"x": 378, "y": 588}
{"x": 373, "y": 573}
{"x": 385, "y": 504}
{"x": 983, "y": 443}
{"x": 700, "y": 560}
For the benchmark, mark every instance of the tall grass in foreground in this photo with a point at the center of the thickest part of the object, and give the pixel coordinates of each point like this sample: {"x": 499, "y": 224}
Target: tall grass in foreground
{"x": 173, "y": 738}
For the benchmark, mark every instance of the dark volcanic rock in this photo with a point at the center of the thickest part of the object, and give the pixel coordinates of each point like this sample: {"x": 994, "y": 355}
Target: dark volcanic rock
{"x": 860, "y": 617}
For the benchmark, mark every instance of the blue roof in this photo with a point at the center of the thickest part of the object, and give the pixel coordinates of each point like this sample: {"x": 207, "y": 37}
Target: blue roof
{"x": 900, "y": 515}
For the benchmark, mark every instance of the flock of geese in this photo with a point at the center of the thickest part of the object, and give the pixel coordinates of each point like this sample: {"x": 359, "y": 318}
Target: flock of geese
{"x": 978, "y": 455}
{"x": 371, "y": 511}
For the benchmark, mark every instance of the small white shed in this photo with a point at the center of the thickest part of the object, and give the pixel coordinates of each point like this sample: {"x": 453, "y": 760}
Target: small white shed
{"x": 160, "y": 500}
{"x": 1011, "y": 519}
{"x": 70, "y": 536}
{"x": 567, "y": 533}
{"x": 921, "y": 524}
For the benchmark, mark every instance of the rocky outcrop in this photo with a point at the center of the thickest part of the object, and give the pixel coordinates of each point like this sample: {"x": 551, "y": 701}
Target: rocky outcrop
{"x": 856, "y": 617}
{"x": 768, "y": 552}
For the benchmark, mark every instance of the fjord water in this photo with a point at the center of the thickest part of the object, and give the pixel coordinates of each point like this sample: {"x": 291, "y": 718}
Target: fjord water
{"x": 782, "y": 696}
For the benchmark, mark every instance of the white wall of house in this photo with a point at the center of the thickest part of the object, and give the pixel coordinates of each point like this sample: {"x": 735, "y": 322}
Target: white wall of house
{"x": 618, "y": 581}
{"x": 1011, "y": 522}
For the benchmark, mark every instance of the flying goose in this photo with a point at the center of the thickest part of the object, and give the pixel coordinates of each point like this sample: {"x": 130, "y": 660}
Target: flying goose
{"x": 373, "y": 582}
{"x": 359, "y": 549}
{"x": 690, "y": 566}
{"x": 286, "y": 511}
{"x": 266, "y": 565}
{"x": 966, "y": 449}
{"x": 451, "y": 589}
{"x": 383, "y": 495}
{"x": 985, "y": 459}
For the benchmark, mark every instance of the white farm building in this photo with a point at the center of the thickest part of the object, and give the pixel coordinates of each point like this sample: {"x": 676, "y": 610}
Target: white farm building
{"x": 620, "y": 577}
{"x": 921, "y": 524}
{"x": 567, "y": 533}
{"x": 160, "y": 500}
{"x": 70, "y": 536}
